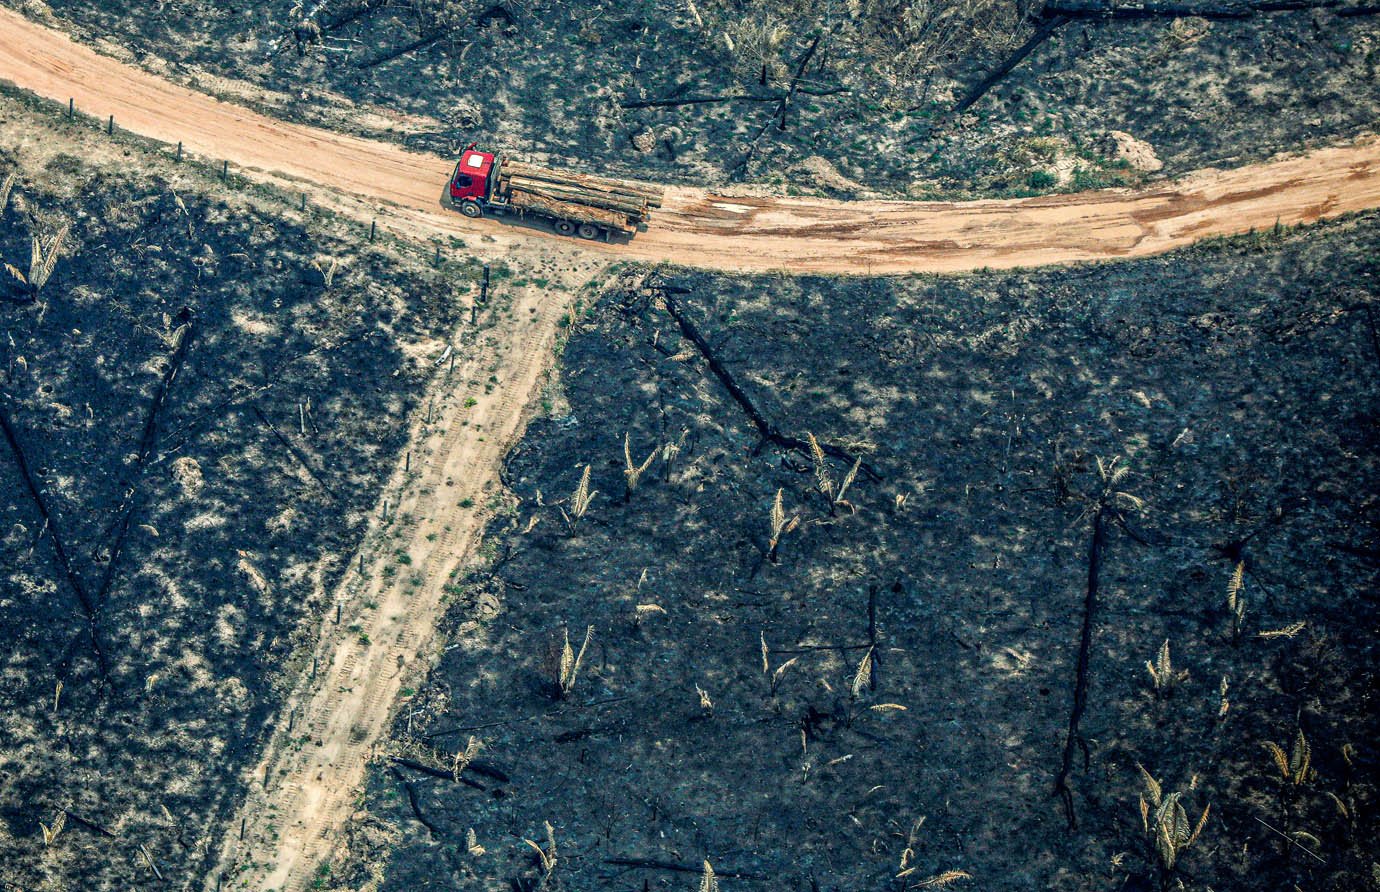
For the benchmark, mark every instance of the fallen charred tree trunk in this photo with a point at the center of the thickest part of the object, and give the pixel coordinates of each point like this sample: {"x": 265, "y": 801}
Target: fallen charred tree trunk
{"x": 768, "y": 431}
{"x": 89, "y": 607}
{"x": 125, "y": 514}
{"x": 673, "y": 102}
{"x": 1042, "y": 33}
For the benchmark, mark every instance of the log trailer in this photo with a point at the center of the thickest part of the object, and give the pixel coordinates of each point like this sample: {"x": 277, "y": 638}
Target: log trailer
{"x": 575, "y": 203}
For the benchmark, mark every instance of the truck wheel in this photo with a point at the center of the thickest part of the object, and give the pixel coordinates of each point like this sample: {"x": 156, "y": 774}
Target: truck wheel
{"x": 588, "y": 230}
{"x": 565, "y": 227}
{"x": 471, "y": 209}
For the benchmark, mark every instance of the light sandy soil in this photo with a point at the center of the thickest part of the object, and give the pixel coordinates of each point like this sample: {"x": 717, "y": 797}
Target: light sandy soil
{"x": 314, "y": 770}
{"x": 697, "y": 228}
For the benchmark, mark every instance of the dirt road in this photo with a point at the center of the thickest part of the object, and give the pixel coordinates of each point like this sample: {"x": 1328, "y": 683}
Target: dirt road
{"x": 310, "y": 775}
{"x": 699, "y": 228}
{"x": 305, "y": 787}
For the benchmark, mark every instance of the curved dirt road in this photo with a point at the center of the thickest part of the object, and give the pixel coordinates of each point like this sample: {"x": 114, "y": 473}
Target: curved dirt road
{"x": 699, "y": 228}
{"x": 291, "y": 821}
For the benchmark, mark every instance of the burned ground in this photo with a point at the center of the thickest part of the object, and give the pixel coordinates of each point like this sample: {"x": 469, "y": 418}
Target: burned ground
{"x": 635, "y": 85}
{"x": 196, "y": 427}
{"x": 1236, "y": 385}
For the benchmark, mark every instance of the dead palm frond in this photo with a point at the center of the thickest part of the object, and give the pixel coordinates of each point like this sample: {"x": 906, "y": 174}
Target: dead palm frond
{"x": 472, "y": 845}
{"x": 824, "y": 479}
{"x": 327, "y": 267}
{"x": 580, "y": 501}
{"x": 42, "y": 261}
{"x": 1288, "y": 631}
{"x": 465, "y": 757}
{"x": 50, "y": 834}
{"x": 863, "y": 677}
{"x": 5, "y": 188}
{"x": 1236, "y": 597}
{"x": 1112, "y": 473}
{"x": 632, "y": 472}
{"x": 706, "y": 704}
{"x": 708, "y": 882}
{"x": 907, "y": 866}
{"x": 1295, "y": 766}
{"x": 646, "y": 611}
{"x": 942, "y": 879}
{"x": 1164, "y": 818}
{"x": 546, "y": 856}
{"x": 568, "y": 668}
{"x": 780, "y": 525}
{"x": 1163, "y": 673}
{"x": 780, "y": 673}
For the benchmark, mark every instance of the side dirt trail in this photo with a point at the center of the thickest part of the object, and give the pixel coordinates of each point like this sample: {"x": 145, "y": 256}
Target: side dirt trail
{"x": 741, "y": 233}
{"x": 304, "y": 788}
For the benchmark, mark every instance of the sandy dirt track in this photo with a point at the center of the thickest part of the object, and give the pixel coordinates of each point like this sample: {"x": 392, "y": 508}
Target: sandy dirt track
{"x": 314, "y": 771}
{"x": 696, "y": 227}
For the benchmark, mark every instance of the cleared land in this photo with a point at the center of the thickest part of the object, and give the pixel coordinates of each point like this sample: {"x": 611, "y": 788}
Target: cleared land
{"x": 311, "y": 774}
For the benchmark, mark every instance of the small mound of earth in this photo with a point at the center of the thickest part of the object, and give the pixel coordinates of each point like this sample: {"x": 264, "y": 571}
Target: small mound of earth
{"x": 1124, "y": 147}
{"x": 187, "y": 473}
{"x": 823, "y": 174}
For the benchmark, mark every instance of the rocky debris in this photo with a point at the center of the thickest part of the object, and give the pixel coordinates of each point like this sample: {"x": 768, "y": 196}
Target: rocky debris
{"x": 644, "y": 140}
{"x": 1122, "y": 146}
{"x": 187, "y": 473}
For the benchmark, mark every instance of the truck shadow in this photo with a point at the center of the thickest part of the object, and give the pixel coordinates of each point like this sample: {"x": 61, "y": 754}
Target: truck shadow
{"x": 534, "y": 224}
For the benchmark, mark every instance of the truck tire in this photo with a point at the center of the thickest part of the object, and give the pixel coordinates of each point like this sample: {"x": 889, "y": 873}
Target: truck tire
{"x": 565, "y": 227}
{"x": 471, "y": 209}
{"x": 588, "y": 231}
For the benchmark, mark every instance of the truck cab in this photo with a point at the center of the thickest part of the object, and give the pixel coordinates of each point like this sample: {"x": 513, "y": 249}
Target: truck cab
{"x": 469, "y": 185}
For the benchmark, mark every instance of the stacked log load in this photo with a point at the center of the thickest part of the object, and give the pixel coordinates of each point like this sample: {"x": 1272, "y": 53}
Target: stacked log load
{"x": 625, "y": 203}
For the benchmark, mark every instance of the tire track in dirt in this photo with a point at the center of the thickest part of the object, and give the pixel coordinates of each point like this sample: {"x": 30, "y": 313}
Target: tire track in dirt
{"x": 303, "y": 790}
{"x": 740, "y": 233}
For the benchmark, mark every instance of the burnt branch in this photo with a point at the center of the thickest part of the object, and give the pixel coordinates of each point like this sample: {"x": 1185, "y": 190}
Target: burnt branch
{"x": 439, "y": 773}
{"x": 768, "y": 431}
{"x": 125, "y": 513}
{"x": 673, "y": 102}
{"x": 292, "y": 449}
{"x": 1044, "y": 32}
{"x": 1096, "y": 544}
{"x": 416, "y": 807}
{"x": 88, "y": 605}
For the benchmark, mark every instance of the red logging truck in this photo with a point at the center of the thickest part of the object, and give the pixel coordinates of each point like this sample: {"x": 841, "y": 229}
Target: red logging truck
{"x": 575, "y": 203}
